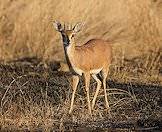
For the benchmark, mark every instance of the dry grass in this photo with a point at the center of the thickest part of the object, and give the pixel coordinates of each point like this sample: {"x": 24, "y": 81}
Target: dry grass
{"x": 35, "y": 99}
{"x": 26, "y": 26}
{"x": 134, "y": 28}
{"x": 143, "y": 69}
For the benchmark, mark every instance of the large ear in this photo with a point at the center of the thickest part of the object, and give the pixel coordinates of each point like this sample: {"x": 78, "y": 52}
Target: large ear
{"x": 57, "y": 26}
{"x": 77, "y": 27}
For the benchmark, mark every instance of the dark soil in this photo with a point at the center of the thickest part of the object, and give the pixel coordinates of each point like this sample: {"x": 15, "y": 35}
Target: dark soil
{"x": 31, "y": 77}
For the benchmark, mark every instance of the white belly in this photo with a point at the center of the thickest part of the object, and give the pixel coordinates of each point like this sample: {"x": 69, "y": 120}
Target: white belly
{"x": 80, "y": 71}
{"x": 95, "y": 71}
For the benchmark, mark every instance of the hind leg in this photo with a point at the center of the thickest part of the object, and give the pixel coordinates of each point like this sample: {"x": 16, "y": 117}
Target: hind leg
{"x": 104, "y": 74}
{"x": 87, "y": 83}
{"x": 97, "y": 90}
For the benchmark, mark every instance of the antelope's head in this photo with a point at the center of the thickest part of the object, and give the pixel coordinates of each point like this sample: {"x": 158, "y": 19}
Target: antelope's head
{"x": 67, "y": 32}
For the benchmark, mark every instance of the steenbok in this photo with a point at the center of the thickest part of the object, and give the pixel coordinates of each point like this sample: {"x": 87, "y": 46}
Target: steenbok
{"x": 89, "y": 59}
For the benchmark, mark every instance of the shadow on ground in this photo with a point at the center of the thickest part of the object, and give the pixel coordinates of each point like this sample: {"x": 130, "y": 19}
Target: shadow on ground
{"x": 31, "y": 81}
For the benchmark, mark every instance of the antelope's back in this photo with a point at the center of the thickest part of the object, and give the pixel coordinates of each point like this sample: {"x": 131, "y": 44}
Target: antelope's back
{"x": 94, "y": 54}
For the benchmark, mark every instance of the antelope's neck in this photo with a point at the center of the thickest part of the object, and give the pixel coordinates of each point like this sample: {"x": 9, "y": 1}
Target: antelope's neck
{"x": 70, "y": 49}
{"x": 70, "y": 54}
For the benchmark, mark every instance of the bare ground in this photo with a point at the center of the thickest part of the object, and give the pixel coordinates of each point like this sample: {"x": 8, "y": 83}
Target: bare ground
{"x": 34, "y": 98}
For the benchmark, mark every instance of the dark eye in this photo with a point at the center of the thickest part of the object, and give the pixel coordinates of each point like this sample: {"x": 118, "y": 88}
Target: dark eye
{"x": 72, "y": 36}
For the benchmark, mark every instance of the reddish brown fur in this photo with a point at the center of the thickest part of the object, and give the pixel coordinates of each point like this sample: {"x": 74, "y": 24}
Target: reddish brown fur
{"x": 95, "y": 54}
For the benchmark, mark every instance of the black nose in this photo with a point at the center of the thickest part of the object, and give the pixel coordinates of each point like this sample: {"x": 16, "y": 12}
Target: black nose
{"x": 68, "y": 41}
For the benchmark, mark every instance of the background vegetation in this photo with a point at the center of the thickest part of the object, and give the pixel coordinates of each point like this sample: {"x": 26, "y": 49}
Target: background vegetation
{"x": 26, "y": 26}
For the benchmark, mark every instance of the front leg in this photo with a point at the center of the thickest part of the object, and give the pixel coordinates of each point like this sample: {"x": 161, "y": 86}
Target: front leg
{"x": 74, "y": 87}
{"x": 87, "y": 82}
